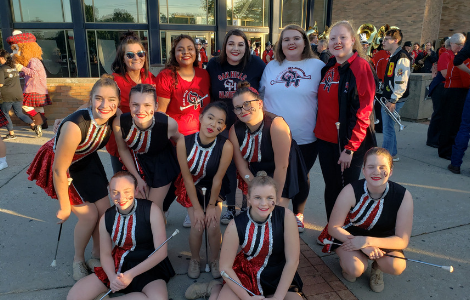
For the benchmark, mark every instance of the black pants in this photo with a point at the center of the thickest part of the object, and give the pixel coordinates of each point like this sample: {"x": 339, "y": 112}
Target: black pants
{"x": 116, "y": 164}
{"x": 434, "y": 128}
{"x": 328, "y": 154}
{"x": 309, "y": 153}
{"x": 378, "y": 116}
{"x": 452, "y": 107}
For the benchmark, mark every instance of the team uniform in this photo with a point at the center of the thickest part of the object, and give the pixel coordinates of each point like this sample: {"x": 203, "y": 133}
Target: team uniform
{"x": 186, "y": 98}
{"x": 87, "y": 174}
{"x": 260, "y": 262}
{"x": 269, "y": 53}
{"x": 133, "y": 242}
{"x": 152, "y": 151}
{"x": 371, "y": 217}
{"x": 257, "y": 149}
{"x": 3, "y": 119}
{"x": 125, "y": 85}
{"x": 346, "y": 94}
{"x": 203, "y": 162}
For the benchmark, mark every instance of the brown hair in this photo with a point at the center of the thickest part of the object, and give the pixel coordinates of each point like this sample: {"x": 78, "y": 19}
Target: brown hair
{"x": 396, "y": 34}
{"x": 357, "y": 43}
{"x": 312, "y": 35}
{"x": 379, "y": 152}
{"x": 105, "y": 80}
{"x": 245, "y": 87}
{"x": 143, "y": 88}
{"x": 27, "y": 51}
{"x": 121, "y": 174}
{"x": 172, "y": 64}
{"x": 306, "y": 53}
{"x": 223, "y": 54}
{"x": 118, "y": 66}
{"x": 261, "y": 179}
{"x": 8, "y": 59}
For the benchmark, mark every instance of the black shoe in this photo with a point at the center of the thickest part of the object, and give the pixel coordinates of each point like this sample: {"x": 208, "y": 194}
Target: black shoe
{"x": 9, "y": 137}
{"x": 432, "y": 145}
{"x": 453, "y": 169}
{"x": 445, "y": 156}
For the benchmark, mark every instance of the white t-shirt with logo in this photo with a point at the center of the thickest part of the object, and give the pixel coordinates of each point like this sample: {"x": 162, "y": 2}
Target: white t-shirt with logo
{"x": 290, "y": 90}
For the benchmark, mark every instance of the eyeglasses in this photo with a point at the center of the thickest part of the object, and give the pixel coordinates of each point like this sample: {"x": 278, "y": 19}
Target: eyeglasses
{"x": 131, "y": 55}
{"x": 246, "y": 106}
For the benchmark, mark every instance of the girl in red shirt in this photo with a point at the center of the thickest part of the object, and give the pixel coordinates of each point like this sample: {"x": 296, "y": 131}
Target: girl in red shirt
{"x": 182, "y": 87}
{"x": 130, "y": 67}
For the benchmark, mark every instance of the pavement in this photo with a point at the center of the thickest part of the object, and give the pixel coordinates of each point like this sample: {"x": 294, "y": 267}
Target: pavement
{"x": 441, "y": 231}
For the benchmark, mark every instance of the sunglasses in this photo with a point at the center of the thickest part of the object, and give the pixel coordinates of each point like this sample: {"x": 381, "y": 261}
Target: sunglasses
{"x": 131, "y": 55}
{"x": 246, "y": 106}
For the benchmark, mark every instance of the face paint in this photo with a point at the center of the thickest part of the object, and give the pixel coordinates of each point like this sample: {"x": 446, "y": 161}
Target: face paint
{"x": 113, "y": 106}
{"x": 219, "y": 129}
{"x": 273, "y": 203}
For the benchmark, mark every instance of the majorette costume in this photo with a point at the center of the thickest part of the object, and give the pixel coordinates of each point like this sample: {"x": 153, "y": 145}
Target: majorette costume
{"x": 260, "y": 262}
{"x": 133, "y": 243}
{"x": 371, "y": 217}
{"x": 152, "y": 151}
{"x": 35, "y": 92}
{"x": 257, "y": 149}
{"x": 3, "y": 120}
{"x": 203, "y": 163}
{"x": 89, "y": 181}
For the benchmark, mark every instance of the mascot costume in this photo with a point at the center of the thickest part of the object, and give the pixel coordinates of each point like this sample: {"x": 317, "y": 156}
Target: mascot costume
{"x": 27, "y": 55}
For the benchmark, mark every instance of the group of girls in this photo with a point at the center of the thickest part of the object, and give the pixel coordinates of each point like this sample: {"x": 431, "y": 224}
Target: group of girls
{"x": 173, "y": 141}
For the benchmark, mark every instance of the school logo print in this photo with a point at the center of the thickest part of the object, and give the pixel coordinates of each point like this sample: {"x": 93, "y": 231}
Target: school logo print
{"x": 192, "y": 99}
{"x": 291, "y": 76}
{"x": 230, "y": 85}
{"x": 328, "y": 80}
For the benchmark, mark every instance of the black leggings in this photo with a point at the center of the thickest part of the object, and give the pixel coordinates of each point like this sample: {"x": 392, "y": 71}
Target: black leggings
{"x": 309, "y": 153}
{"x": 328, "y": 154}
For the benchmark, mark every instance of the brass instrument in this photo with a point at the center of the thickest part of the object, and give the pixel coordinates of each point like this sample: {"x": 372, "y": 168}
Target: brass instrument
{"x": 324, "y": 35}
{"x": 394, "y": 115}
{"x": 417, "y": 66}
{"x": 380, "y": 35}
{"x": 370, "y": 31}
{"x": 313, "y": 29}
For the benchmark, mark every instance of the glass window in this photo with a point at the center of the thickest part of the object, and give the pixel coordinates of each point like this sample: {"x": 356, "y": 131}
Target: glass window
{"x": 116, "y": 11}
{"x": 58, "y": 52}
{"x": 167, "y": 38}
{"x": 199, "y": 12}
{"x": 1, "y": 40}
{"x": 293, "y": 12}
{"x": 102, "y": 49}
{"x": 38, "y": 11}
{"x": 319, "y": 14}
{"x": 248, "y": 13}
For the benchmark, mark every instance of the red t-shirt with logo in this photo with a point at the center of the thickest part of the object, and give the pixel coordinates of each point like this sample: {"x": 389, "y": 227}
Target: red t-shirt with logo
{"x": 380, "y": 61}
{"x": 455, "y": 77}
{"x": 328, "y": 105}
{"x": 444, "y": 60}
{"x": 186, "y": 99}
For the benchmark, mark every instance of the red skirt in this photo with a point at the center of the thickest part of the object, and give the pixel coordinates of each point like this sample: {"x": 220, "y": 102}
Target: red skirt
{"x": 3, "y": 119}
{"x": 181, "y": 193}
{"x": 41, "y": 171}
{"x": 36, "y": 100}
{"x": 242, "y": 185}
{"x": 246, "y": 273}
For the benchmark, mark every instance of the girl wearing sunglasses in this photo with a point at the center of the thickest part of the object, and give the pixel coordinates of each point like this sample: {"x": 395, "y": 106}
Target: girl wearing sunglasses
{"x": 262, "y": 141}
{"x": 130, "y": 67}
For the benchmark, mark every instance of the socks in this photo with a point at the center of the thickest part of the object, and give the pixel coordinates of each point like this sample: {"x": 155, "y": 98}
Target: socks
{"x": 3, "y": 159}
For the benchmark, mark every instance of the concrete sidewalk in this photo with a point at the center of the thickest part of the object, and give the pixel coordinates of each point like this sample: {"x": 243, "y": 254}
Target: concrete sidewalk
{"x": 441, "y": 231}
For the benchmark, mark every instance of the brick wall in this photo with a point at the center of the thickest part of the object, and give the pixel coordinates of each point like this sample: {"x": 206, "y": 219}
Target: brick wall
{"x": 455, "y": 17}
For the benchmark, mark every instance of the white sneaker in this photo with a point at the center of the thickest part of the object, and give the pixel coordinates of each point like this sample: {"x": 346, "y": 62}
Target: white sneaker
{"x": 3, "y": 165}
{"x": 396, "y": 158}
{"x": 187, "y": 222}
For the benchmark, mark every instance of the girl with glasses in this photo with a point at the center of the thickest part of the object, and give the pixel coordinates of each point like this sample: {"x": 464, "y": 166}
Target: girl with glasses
{"x": 144, "y": 141}
{"x": 130, "y": 67}
{"x": 262, "y": 141}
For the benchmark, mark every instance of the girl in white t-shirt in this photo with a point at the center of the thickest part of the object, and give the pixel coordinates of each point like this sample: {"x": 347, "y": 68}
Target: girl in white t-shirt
{"x": 289, "y": 87}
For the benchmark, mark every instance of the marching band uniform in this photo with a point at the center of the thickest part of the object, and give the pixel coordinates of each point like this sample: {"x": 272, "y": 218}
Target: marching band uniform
{"x": 151, "y": 150}
{"x": 260, "y": 262}
{"x": 257, "y": 149}
{"x": 89, "y": 181}
{"x": 371, "y": 217}
{"x": 133, "y": 239}
{"x": 203, "y": 163}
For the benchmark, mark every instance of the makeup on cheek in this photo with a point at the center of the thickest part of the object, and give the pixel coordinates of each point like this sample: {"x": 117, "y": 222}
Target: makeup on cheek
{"x": 219, "y": 129}
{"x": 273, "y": 203}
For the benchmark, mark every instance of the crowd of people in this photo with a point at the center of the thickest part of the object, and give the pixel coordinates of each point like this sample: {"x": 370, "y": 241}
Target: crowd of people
{"x": 196, "y": 132}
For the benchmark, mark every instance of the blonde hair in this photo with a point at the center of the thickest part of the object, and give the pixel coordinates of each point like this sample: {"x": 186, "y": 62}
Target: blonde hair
{"x": 261, "y": 179}
{"x": 357, "y": 42}
{"x": 379, "y": 152}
